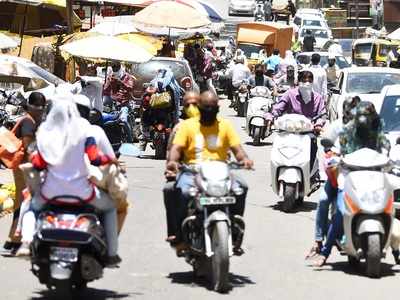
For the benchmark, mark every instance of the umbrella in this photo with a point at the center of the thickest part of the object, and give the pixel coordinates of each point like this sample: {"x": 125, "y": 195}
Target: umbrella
{"x": 107, "y": 48}
{"x": 395, "y": 35}
{"x": 113, "y": 28}
{"x": 201, "y": 6}
{"x": 170, "y": 15}
{"x": 6, "y": 42}
{"x": 12, "y": 72}
{"x": 150, "y": 43}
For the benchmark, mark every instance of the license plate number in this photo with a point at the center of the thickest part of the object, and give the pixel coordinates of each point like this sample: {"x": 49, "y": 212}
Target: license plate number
{"x": 64, "y": 254}
{"x": 205, "y": 201}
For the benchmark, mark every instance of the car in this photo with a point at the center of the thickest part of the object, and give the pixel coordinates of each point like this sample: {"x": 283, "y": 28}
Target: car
{"x": 241, "y": 7}
{"x": 321, "y": 34}
{"x": 365, "y": 82}
{"x": 389, "y": 110}
{"x": 145, "y": 72}
{"x": 52, "y": 80}
{"x": 310, "y": 15}
{"x": 304, "y": 59}
{"x": 345, "y": 46}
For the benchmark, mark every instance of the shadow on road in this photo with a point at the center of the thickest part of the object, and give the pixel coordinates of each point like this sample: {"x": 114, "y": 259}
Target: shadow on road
{"x": 89, "y": 293}
{"x": 262, "y": 144}
{"x": 307, "y": 206}
{"x": 188, "y": 278}
{"x": 342, "y": 266}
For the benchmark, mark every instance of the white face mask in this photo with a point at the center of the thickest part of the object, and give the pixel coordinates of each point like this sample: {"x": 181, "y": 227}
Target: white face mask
{"x": 305, "y": 89}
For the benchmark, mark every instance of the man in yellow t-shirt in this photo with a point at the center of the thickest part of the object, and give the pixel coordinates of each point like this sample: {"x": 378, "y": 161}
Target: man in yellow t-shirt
{"x": 207, "y": 137}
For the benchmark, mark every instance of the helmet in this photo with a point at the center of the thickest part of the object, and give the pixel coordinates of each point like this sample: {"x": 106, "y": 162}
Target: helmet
{"x": 366, "y": 121}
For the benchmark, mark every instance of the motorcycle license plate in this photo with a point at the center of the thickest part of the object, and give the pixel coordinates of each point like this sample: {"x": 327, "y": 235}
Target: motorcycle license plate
{"x": 63, "y": 254}
{"x": 205, "y": 201}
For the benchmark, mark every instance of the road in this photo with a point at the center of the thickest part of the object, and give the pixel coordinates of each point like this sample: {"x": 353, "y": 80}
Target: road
{"x": 273, "y": 266}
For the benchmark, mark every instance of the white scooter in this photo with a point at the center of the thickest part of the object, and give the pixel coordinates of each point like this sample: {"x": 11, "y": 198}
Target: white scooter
{"x": 259, "y": 104}
{"x": 368, "y": 213}
{"x": 291, "y": 173}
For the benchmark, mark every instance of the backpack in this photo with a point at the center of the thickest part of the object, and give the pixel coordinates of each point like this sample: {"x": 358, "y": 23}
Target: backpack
{"x": 12, "y": 150}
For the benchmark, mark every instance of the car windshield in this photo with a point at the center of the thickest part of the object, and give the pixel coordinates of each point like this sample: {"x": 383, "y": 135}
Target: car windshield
{"x": 312, "y": 23}
{"x": 390, "y": 113}
{"x": 250, "y": 50}
{"x": 49, "y": 77}
{"x": 363, "y": 48}
{"x": 150, "y": 69}
{"x": 341, "y": 62}
{"x": 318, "y": 33}
{"x": 370, "y": 83}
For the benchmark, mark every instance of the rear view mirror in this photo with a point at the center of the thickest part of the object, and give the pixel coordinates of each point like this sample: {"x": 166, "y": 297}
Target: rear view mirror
{"x": 335, "y": 90}
{"x": 129, "y": 150}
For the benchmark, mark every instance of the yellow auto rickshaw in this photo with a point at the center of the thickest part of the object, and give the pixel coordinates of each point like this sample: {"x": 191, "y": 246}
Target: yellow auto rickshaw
{"x": 372, "y": 51}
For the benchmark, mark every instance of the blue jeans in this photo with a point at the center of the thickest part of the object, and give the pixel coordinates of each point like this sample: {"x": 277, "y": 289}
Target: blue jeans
{"x": 326, "y": 198}
{"x": 336, "y": 230}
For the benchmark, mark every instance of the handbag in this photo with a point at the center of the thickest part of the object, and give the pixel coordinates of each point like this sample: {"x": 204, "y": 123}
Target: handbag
{"x": 12, "y": 150}
{"x": 160, "y": 100}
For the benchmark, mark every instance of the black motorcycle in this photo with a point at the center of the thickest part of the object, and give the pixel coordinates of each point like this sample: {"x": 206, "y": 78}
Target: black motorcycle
{"x": 69, "y": 249}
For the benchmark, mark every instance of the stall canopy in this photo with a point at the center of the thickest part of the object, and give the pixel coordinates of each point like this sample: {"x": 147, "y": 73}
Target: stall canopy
{"x": 395, "y": 35}
{"x": 255, "y": 36}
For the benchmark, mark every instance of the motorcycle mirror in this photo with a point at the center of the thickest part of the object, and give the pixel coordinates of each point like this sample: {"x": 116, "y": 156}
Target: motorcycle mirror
{"x": 327, "y": 143}
{"x": 129, "y": 150}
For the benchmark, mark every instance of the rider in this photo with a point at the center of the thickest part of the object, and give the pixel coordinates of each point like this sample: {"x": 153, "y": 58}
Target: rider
{"x": 289, "y": 79}
{"x": 208, "y": 137}
{"x": 365, "y": 131}
{"x": 259, "y": 79}
{"x": 329, "y": 192}
{"x": 204, "y": 62}
{"x": 273, "y": 62}
{"x": 63, "y": 142}
{"x": 238, "y": 73}
{"x": 320, "y": 84}
{"x": 332, "y": 70}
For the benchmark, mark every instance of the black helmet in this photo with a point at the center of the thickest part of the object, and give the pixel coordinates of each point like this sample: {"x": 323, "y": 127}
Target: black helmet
{"x": 350, "y": 108}
{"x": 367, "y": 121}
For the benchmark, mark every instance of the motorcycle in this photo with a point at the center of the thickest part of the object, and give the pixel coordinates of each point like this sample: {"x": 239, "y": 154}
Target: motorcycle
{"x": 291, "y": 173}
{"x": 259, "y": 15}
{"x": 210, "y": 230}
{"x": 368, "y": 214}
{"x": 69, "y": 249}
{"x": 10, "y": 107}
{"x": 241, "y": 99}
{"x": 260, "y": 103}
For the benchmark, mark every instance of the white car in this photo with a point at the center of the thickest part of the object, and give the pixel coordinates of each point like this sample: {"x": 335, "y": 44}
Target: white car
{"x": 389, "y": 110}
{"x": 307, "y": 18}
{"x": 51, "y": 80}
{"x": 365, "y": 82}
{"x": 321, "y": 35}
{"x": 242, "y": 7}
{"x": 304, "y": 59}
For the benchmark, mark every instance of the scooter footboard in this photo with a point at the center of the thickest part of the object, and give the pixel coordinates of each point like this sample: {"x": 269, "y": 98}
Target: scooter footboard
{"x": 290, "y": 175}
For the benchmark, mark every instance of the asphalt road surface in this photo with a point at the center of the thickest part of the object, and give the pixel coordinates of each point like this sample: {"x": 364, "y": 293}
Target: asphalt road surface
{"x": 273, "y": 266}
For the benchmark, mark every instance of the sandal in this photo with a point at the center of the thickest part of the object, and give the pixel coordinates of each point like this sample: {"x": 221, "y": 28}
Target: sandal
{"x": 320, "y": 261}
{"x": 315, "y": 250}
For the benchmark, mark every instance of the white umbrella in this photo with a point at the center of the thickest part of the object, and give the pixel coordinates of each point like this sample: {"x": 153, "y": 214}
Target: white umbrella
{"x": 6, "y": 42}
{"x": 114, "y": 28}
{"x": 107, "y": 48}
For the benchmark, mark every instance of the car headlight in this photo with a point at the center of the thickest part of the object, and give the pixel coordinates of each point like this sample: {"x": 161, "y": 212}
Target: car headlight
{"x": 289, "y": 152}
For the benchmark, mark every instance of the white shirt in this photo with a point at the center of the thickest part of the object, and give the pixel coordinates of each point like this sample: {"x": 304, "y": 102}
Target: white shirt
{"x": 320, "y": 83}
{"x": 239, "y": 72}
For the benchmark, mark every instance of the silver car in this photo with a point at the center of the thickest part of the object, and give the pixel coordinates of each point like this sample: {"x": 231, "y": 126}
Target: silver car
{"x": 242, "y": 7}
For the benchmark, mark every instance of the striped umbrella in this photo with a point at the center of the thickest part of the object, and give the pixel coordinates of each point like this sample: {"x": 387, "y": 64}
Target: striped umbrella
{"x": 205, "y": 8}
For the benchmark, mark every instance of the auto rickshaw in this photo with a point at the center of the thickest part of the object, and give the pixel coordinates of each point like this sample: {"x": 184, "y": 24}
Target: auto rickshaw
{"x": 372, "y": 51}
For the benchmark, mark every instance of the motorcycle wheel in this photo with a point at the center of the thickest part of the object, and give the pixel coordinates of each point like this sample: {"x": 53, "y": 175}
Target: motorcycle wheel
{"x": 160, "y": 149}
{"x": 257, "y": 136}
{"x": 220, "y": 259}
{"x": 289, "y": 197}
{"x": 373, "y": 255}
{"x": 63, "y": 289}
{"x": 240, "y": 109}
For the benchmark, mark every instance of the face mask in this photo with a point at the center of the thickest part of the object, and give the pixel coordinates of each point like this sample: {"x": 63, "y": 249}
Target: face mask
{"x": 191, "y": 111}
{"x": 305, "y": 89}
{"x": 208, "y": 115}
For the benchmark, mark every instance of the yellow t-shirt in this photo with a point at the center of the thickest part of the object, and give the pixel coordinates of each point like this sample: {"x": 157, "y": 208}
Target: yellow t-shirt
{"x": 202, "y": 143}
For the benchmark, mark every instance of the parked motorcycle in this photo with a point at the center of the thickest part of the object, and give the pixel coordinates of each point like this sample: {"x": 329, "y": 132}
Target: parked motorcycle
{"x": 210, "y": 230}
{"x": 291, "y": 173}
{"x": 241, "y": 99}
{"x": 69, "y": 249}
{"x": 368, "y": 214}
{"x": 259, "y": 104}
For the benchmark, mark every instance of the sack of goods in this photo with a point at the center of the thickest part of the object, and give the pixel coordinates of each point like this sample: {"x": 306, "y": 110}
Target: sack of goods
{"x": 7, "y": 196}
{"x": 160, "y": 100}
{"x": 11, "y": 148}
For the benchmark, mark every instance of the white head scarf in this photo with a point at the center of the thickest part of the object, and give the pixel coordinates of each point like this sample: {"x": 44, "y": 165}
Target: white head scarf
{"x": 62, "y": 130}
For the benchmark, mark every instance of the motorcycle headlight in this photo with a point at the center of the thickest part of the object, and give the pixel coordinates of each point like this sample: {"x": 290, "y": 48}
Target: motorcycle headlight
{"x": 217, "y": 189}
{"x": 289, "y": 152}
